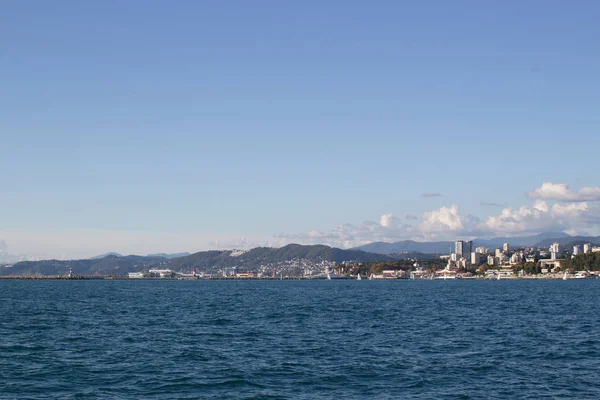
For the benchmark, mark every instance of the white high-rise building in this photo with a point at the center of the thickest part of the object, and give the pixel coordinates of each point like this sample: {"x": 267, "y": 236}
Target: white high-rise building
{"x": 554, "y": 250}
{"x": 587, "y": 248}
{"x": 576, "y": 250}
{"x": 505, "y": 248}
{"x": 481, "y": 250}
{"x": 491, "y": 260}
{"x": 475, "y": 258}
{"x": 498, "y": 252}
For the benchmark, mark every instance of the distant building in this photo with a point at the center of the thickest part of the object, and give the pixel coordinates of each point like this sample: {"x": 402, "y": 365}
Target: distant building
{"x": 481, "y": 250}
{"x": 491, "y": 260}
{"x": 498, "y": 252}
{"x": 516, "y": 258}
{"x": 505, "y": 247}
{"x": 467, "y": 248}
{"x": 554, "y": 251}
{"x": 475, "y": 258}
{"x": 576, "y": 250}
{"x": 587, "y": 248}
{"x": 454, "y": 257}
{"x": 458, "y": 248}
{"x": 161, "y": 273}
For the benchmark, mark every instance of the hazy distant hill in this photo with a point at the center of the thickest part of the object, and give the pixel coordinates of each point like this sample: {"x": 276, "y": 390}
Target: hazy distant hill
{"x": 408, "y": 246}
{"x": 521, "y": 241}
{"x": 106, "y": 255}
{"x": 267, "y": 255}
{"x": 169, "y": 256}
{"x": 571, "y": 241}
{"x": 543, "y": 239}
{"x": 163, "y": 255}
{"x": 108, "y": 265}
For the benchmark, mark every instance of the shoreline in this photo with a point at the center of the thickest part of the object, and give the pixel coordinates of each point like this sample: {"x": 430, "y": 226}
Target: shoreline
{"x": 125, "y": 278}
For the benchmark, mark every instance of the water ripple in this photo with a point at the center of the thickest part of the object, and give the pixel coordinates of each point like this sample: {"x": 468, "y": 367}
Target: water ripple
{"x": 299, "y": 339}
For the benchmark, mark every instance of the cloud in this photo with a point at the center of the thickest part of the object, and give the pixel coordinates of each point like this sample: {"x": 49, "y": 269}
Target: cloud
{"x": 491, "y": 204}
{"x": 412, "y": 217}
{"x": 534, "y": 218}
{"x": 540, "y": 217}
{"x": 447, "y": 221}
{"x": 389, "y": 221}
{"x": 389, "y": 229}
{"x": 561, "y": 192}
{"x": 431, "y": 194}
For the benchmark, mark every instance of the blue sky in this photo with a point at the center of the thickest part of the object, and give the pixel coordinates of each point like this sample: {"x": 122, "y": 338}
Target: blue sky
{"x": 135, "y": 125}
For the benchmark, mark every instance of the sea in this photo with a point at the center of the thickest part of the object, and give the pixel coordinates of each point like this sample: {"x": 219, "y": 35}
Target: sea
{"x": 338, "y": 339}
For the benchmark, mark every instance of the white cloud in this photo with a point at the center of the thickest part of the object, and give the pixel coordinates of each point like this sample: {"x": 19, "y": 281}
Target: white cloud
{"x": 448, "y": 221}
{"x": 534, "y": 218}
{"x": 561, "y": 192}
{"x": 540, "y": 217}
{"x": 389, "y": 229}
{"x": 389, "y": 221}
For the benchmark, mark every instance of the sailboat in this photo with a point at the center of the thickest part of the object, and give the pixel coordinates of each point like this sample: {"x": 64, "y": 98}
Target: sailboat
{"x": 328, "y": 277}
{"x": 371, "y": 277}
{"x": 498, "y": 276}
{"x": 358, "y": 278}
{"x": 565, "y": 276}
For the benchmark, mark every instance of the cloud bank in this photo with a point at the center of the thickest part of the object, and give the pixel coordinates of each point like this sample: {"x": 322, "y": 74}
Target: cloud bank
{"x": 561, "y": 192}
{"x": 554, "y": 208}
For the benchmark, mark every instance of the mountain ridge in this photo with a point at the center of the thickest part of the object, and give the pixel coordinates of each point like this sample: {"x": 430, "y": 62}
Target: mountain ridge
{"x": 203, "y": 261}
{"x": 544, "y": 239}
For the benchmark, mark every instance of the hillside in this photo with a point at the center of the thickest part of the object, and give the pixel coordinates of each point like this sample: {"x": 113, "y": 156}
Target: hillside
{"x": 206, "y": 260}
{"x": 267, "y": 255}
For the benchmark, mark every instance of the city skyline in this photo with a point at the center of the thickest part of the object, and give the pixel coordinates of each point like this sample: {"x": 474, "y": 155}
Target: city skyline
{"x": 152, "y": 128}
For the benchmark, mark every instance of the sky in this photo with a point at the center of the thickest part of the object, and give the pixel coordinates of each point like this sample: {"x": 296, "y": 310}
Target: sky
{"x": 159, "y": 126}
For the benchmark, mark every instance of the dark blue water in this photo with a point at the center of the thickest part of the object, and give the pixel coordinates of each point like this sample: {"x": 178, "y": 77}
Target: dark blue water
{"x": 299, "y": 339}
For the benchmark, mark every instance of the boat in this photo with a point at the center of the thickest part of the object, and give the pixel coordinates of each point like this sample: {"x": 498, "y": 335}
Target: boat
{"x": 328, "y": 277}
{"x": 565, "y": 276}
{"x": 358, "y": 278}
{"x": 582, "y": 275}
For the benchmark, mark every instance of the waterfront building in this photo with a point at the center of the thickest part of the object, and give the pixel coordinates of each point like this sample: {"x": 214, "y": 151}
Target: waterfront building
{"x": 161, "y": 273}
{"x": 475, "y": 258}
{"x": 491, "y": 260}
